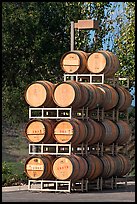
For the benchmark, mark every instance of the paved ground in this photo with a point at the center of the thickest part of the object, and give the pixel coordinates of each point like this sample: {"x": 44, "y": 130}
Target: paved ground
{"x": 21, "y": 194}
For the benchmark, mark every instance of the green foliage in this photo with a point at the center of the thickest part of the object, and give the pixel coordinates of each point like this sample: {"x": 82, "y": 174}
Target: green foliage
{"x": 13, "y": 104}
{"x": 13, "y": 173}
{"x": 125, "y": 43}
{"x": 35, "y": 36}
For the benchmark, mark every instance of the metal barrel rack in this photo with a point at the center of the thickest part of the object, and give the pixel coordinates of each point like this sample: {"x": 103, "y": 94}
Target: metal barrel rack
{"x": 98, "y": 114}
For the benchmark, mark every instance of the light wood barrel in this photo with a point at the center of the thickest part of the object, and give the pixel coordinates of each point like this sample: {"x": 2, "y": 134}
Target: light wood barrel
{"x": 114, "y": 63}
{"x": 109, "y": 132}
{"x": 103, "y": 62}
{"x": 124, "y": 132}
{"x": 109, "y": 166}
{"x": 70, "y": 93}
{"x": 111, "y": 96}
{"x": 125, "y": 98}
{"x": 39, "y": 93}
{"x": 72, "y": 167}
{"x": 95, "y": 167}
{"x": 40, "y": 130}
{"x": 74, "y": 62}
{"x": 123, "y": 165}
{"x": 72, "y": 130}
{"x": 39, "y": 167}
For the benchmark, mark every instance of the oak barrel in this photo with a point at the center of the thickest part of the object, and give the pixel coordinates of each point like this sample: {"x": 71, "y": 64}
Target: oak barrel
{"x": 70, "y": 93}
{"x": 39, "y": 93}
{"x": 95, "y": 167}
{"x": 70, "y": 130}
{"x": 40, "y": 130}
{"x": 109, "y": 132}
{"x": 74, "y": 62}
{"x": 123, "y": 165}
{"x": 39, "y": 166}
{"x": 95, "y": 96}
{"x": 111, "y": 96}
{"x": 72, "y": 167}
{"x": 109, "y": 166}
{"x": 94, "y": 131}
{"x": 124, "y": 99}
{"x": 103, "y": 62}
{"x": 114, "y": 63}
{"x": 124, "y": 132}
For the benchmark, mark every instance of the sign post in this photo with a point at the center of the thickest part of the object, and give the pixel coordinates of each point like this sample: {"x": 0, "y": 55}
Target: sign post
{"x": 82, "y": 24}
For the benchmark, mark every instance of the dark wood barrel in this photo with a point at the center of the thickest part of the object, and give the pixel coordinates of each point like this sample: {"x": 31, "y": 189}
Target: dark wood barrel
{"x": 123, "y": 165}
{"x": 70, "y": 130}
{"x": 74, "y": 62}
{"x": 39, "y": 93}
{"x": 72, "y": 167}
{"x": 39, "y": 167}
{"x": 94, "y": 132}
{"x": 103, "y": 62}
{"x": 70, "y": 93}
{"x": 95, "y": 96}
{"x": 125, "y": 98}
{"x": 95, "y": 167}
{"x": 109, "y": 132}
{"x": 109, "y": 166}
{"x": 124, "y": 132}
{"x": 40, "y": 131}
{"x": 110, "y": 96}
{"x": 90, "y": 131}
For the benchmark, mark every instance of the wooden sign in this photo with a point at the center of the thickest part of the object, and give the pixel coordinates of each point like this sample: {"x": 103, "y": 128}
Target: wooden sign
{"x": 87, "y": 24}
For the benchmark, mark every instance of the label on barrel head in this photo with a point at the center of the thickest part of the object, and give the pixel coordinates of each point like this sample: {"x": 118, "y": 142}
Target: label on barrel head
{"x": 63, "y": 132}
{"x": 35, "y": 168}
{"x": 35, "y": 131}
{"x": 62, "y": 168}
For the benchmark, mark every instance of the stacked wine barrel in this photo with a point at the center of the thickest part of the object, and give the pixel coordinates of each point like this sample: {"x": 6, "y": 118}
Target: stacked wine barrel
{"x": 86, "y": 132}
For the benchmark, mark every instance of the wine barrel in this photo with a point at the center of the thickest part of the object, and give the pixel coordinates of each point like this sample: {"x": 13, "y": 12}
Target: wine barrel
{"x": 39, "y": 167}
{"x": 123, "y": 165}
{"x": 94, "y": 131}
{"x": 70, "y": 130}
{"x": 110, "y": 96}
{"x": 114, "y": 61}
{"x": 39, "y": 93}
{"x": 109, "y": 166}
{"x": 72, "y": 167}
{"x": 124, "y": 132}
{"x": 74, "y": 62}
{"x": 95, "y": 96}
{"x": 70, "y": 93}
{"x": 40, "y": 131}
{"x": 125, "y": 98}
{"x": 95, "y": 167}
{"x": 103, "y": 62}
{"x": 109, "y": 132}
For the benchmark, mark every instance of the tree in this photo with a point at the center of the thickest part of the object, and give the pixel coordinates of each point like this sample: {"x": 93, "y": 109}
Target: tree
{"x": 125, "y": 43}
{"x": 34, "y": 37}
